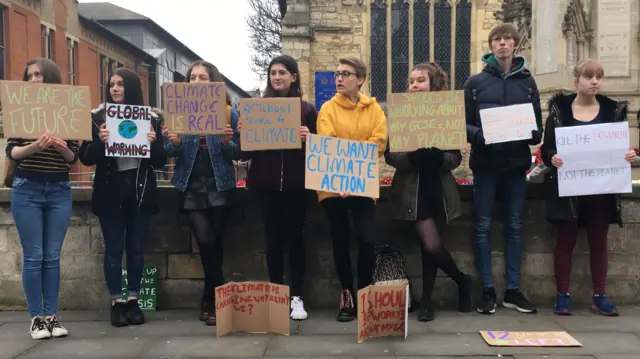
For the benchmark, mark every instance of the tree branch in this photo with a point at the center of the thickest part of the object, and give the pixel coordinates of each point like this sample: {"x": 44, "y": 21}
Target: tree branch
{"x": 265, "y": 34}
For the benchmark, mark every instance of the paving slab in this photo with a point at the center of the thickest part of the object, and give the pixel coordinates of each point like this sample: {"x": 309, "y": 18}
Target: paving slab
{"x": 11, "y": 348}
{"x": 207, "y": 347}
{"x": 599, "y": 323}
{"x": 103, "y": 348}
{"x": 443, "y": 344}
{"x": 476, "y": 323}
{"x": 554, "y": 357}
{"x": 64, "y": 316}
{"x": 84, "y": 330}
{"x": 328, "y": 345}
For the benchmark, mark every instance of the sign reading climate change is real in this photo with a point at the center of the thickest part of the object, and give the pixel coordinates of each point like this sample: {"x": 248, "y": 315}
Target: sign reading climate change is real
{"x": 128, "y": 127}
{"x": 342, "y": 166}
{"x": 30, "y": 109}
{"x": 195, "y": 108}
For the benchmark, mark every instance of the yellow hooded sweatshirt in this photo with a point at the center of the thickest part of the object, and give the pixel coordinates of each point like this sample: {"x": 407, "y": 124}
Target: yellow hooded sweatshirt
{"x": 364, "y": 121}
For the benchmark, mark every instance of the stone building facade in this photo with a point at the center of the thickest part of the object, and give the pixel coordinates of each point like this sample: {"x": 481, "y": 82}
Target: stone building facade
{"x": 392, "y": 35}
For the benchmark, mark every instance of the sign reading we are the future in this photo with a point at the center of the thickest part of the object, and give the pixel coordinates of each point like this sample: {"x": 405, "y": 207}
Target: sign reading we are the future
{"x": 30, "y": 109}
{"x": 195, "y": 108}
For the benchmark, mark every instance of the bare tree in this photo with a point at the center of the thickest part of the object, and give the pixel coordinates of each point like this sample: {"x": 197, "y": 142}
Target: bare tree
{"x": 265, "y": 33}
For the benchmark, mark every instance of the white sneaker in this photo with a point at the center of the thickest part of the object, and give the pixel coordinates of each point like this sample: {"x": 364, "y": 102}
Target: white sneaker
{"x": 56, "y": 329}
{"x": 39, "y": 329}
{"x": 297, "y": 309}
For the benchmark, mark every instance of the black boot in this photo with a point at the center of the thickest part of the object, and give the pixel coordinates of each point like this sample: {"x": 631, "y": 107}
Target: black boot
{"x": 119, "y": 314}
{"x": 426, "y": 313}
{"x": 135, "y": 315}
{"x": 347, "y": 311}
{"x": 465, "y": 301}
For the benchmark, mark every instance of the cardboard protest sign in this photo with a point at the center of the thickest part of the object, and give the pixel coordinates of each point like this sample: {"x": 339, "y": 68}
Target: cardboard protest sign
{"x": 383, "y": 311}
{"x": 30, "y": 109}
{"x": 338, "y": 165}
{"x": 252, "y": 307}
{"x": 508, "y": 123}
{"x": 270, "y": 124}
{"x": 593, "y": 159}
{"x": 195, "y": 108}
{"x": 529, "y": 339}
{"x": 148, "y": 288}
{"x": 427, "y": 119}
{"x": 128, "y": 127}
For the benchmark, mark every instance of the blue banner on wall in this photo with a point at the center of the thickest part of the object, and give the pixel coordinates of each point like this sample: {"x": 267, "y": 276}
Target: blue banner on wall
{"x": 325, "y": 87}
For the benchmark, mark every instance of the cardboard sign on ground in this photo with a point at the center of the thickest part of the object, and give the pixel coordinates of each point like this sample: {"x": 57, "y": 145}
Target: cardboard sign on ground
{"x": 148, "y": 288}
{"x": 338, "y": 165}
{"x": 529, "y": 339}
{"x": 427, "y": 119}
{"x": 128, "y": 127}
{"x": 383, "y": 311}
{"x": 270, "y": 124}
{"x": 195, "y": 108}
{"x": 31, "y": 109}
{"x": 252, "y": 307}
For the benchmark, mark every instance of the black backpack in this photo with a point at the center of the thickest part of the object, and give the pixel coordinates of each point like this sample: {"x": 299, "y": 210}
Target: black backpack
{"x": 390, "y": 268}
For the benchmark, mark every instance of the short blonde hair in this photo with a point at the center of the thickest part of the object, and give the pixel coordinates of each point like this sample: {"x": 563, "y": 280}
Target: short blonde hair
{"x": 589, "y": 68}
{"x": 358, "y": 65}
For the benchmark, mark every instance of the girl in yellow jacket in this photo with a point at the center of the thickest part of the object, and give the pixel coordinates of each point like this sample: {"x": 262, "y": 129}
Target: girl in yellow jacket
{"x": 352, "y": 115}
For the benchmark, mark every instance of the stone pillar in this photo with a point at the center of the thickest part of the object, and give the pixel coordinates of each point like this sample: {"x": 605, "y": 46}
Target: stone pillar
{"x": 296, "y": 39}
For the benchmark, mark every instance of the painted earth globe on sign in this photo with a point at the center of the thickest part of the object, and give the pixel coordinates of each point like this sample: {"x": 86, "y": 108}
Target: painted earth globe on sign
{"x": 127, "y": 129}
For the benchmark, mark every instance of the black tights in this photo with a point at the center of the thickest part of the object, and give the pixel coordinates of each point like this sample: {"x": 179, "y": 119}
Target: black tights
{"x": 208, "y": 226}
{"x": 434, "y": 256}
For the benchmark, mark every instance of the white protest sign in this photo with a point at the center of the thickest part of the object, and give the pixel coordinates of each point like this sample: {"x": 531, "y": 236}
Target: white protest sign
{"x": 128, "y": 126}
{"x": 593, "y": 159}
{"x": 508, "y": 123}
{"x": 338, "y": 165}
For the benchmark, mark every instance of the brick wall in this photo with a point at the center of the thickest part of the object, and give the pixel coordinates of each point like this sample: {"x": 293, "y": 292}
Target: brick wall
{"x": 171, "y": 249}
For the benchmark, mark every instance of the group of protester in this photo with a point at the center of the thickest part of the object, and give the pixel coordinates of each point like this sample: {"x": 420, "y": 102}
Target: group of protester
{"x": 423, "y": 192}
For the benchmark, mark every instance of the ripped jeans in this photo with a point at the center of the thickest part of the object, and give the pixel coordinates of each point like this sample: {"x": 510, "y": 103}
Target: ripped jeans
{"x": 512, "y": 187}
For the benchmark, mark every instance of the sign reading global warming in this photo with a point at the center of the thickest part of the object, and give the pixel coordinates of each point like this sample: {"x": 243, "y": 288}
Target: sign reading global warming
{"x": 593, "y": 159}
{"x": 195, "y": 108}
{"x": 342, "y": 166}
{"x": 270, "y": 124}
{"x": 31, "y": 109}
{"x": 128, "y": 127}
{"x": 427, "y": 119}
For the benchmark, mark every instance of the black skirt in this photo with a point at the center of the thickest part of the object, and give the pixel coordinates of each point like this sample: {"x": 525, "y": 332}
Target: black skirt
{"x": 202, "y": 192}
{"x": 430, "y": 196}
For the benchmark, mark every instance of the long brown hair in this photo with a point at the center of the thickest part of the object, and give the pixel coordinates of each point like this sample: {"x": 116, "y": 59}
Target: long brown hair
{"x": 49, "y": 69}
{"x": 214, "y": 74}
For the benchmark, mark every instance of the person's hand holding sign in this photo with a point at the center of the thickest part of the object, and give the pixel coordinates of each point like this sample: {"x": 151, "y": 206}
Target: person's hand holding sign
{"x": 239, "y": 124}
{"x": 43, "y": 142}
{"x": 556, "y": 161}
{"x": 104, "y": 133}
{"x": 304, "y": 131}
{"x": 173, "y": 138}
{"x": 151, "y": 135}
{"x": 630, "y": 156}
{"x": 59, "y": 144}
{"x": 228, "y": 135}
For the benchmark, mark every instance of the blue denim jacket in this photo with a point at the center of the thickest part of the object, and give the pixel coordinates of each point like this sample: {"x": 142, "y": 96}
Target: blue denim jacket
{"x": 221, "y": 157}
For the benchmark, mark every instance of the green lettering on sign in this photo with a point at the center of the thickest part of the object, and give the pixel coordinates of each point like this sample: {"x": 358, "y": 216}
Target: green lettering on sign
{"x": 148, "y": 288}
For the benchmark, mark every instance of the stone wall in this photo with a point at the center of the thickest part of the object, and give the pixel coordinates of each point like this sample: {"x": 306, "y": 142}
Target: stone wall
{"x": 171, "y": 248}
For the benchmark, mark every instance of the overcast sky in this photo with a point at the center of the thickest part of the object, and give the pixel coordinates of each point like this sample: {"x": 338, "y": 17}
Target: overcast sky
{"x": 213, "y": 29}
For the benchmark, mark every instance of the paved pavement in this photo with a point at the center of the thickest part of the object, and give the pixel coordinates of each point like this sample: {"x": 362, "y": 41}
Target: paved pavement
{"x": 178, "y": 334}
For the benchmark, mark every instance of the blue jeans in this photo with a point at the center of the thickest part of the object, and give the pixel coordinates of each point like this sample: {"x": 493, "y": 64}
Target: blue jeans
{"x": 512, "y": 187}
{"x": 128, "y": 229}
{"x": 41, "y": 211}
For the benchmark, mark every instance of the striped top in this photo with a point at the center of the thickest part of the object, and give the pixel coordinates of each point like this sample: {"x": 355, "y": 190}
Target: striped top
{"x": 45, "y": 166}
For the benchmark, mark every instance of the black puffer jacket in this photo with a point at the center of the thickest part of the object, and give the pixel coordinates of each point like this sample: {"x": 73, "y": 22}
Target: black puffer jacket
{"x": 493, "y": 88}
{"x": 561, "y": 115}
{"x": 106, "y": 188}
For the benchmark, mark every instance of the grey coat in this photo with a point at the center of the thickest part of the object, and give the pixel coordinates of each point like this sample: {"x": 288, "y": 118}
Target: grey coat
{"x": 404, "y": 189}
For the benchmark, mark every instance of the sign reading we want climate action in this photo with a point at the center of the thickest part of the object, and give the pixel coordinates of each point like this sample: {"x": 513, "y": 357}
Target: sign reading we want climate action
{"x": 270, "y": 124}
{"x": 30, "y": 109}
{"x": 427, "y": 119}
{"x": 338, "y": 165}
{"x": 195, "y": 108}
{"x": 252, "y": 307}
{"x": 593, "y": 159}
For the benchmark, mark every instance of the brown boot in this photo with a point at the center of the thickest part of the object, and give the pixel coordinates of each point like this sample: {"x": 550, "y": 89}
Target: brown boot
{"x": 206, "y": 312}
{"x": 211, "y": 320}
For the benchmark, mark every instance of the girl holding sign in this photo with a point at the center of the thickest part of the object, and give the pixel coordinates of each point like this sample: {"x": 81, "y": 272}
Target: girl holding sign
{"x": 124, "y": 197}
{"x": 41, "y": 207}
{"x": 425, "y": 191}
{"x": 352, "y": 115}
{"x": 593, "y": 212}
{"x": 277, "y": 176}
{"x": 205, "y": 176}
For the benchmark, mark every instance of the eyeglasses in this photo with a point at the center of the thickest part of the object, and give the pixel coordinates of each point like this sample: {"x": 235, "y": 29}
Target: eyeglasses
{"x": 345, "y": 74}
